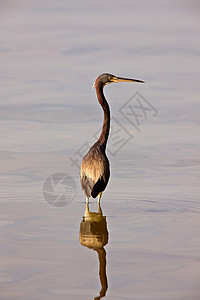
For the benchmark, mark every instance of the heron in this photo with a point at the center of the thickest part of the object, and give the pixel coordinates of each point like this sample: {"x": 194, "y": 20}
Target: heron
{"x": 95, "y": 169}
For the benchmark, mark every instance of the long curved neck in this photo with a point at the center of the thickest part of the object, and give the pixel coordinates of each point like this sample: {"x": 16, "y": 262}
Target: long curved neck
{"x": 106, "y": 121}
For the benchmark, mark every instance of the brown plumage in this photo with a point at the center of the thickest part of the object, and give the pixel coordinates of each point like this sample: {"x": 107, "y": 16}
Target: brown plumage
{"x": 95, "y": 171}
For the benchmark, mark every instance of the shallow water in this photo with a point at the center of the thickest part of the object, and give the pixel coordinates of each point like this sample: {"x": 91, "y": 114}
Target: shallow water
{"x": 51, "y": 54}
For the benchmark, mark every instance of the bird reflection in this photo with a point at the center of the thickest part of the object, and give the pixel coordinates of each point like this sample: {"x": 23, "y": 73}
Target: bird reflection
{"x": 94, "y": 235}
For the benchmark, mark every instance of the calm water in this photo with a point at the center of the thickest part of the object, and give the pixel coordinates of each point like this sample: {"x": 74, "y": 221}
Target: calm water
{"x": 145, "y": 243}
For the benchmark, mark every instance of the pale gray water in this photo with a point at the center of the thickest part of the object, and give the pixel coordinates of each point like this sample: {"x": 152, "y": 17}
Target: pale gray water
{"x": 51, "y": 53}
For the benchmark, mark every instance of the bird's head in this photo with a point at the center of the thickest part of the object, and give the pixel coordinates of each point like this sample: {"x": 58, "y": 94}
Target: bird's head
{"x": 107, "y": 78}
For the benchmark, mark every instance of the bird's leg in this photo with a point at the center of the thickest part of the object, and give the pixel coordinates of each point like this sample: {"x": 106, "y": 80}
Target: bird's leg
{"x": 87, "y": 211}
{"x": 99, "y": 209}
{"x": 87, "y": 204}
{"x": 99, "y": 197}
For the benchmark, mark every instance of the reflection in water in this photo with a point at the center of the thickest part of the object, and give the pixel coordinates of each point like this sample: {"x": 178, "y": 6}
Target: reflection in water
{"x": 94, "y": 235}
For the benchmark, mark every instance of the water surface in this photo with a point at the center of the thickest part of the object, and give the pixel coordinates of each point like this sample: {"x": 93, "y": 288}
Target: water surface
{"x": 51, "y": 54}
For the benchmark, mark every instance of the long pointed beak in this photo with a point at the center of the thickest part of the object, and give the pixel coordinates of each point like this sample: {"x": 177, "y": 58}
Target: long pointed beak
{"x": 119, "y": 79}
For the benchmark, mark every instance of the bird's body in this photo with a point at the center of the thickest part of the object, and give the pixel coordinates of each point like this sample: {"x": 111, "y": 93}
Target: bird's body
{"x": 95, "y": 170}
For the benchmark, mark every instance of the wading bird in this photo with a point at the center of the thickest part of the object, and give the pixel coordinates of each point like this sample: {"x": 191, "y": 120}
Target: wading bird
{"x": 95, "y": 171}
